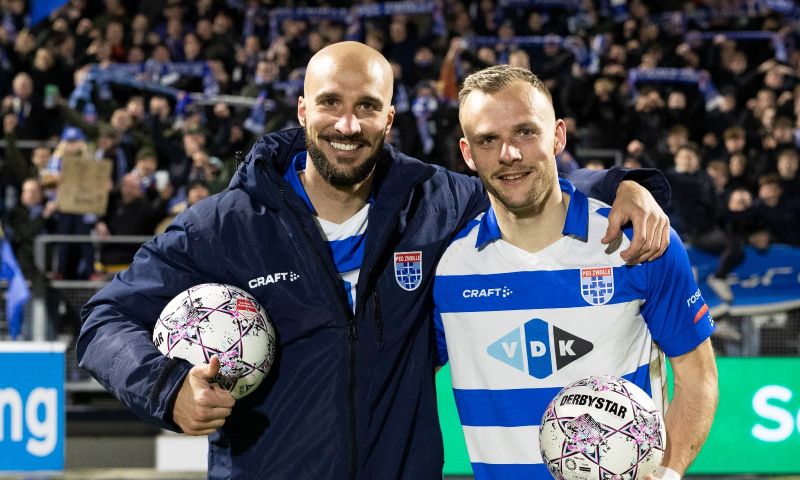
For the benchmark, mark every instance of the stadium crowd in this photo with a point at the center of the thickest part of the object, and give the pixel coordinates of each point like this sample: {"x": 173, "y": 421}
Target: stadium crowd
{"x": 172, "y": 91}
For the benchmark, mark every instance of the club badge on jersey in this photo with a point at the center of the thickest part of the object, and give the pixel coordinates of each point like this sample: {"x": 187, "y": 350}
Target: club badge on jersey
{"x": 597, "y": 285}
{"x": 408, "y": 269}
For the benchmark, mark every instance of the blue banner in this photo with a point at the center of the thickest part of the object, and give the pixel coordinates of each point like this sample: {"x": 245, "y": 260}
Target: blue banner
{"x": 40, "y": 9}
{"x": 31, "y": 406}
{"x": 352, "y": 15}
{"x": 764, "y": 282}
{"x": 676, "y": 75}
{"x": 570, "y": 43}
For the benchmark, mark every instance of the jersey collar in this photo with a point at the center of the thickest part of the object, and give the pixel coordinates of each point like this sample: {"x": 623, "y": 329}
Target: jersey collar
{"x": 299, "y": 163}
{"x": 576, "y": 223}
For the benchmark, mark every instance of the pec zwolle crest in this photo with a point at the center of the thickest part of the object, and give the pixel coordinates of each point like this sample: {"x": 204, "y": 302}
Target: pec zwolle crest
{"x": 597, "y": 285}
{"x": 408, "y": 269}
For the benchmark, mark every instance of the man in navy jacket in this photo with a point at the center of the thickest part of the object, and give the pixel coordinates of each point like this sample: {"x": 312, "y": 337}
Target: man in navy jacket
{"x": 351, "y": 393}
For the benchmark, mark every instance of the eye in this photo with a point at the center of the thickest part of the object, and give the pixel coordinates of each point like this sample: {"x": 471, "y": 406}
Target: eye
{"x": 527, "y": 132}
{"x": 367, "y": 107}
{"x": 486, "y": 141}
{"x": 329, "y": 102}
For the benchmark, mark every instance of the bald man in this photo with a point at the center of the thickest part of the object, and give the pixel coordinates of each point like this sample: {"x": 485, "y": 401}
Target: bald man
{"x": 340, "y": 250}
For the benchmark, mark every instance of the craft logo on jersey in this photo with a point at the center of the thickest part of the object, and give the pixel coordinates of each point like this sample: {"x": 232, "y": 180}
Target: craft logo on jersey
{"x": 532, "y": 348}
{"x": 408, "y": 269}
{"x": 597, "y": 285}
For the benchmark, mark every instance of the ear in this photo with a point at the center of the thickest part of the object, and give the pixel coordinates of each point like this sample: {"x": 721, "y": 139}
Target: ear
{"x": 389, "y": 119}
{"x": 463, "y": 144}
{"x": 560, "y": 141}
{"x": 301, "y": 110}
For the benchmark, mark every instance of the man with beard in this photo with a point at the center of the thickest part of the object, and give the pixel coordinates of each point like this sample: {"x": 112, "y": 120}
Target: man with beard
{"x": 351, "y": 238}
{"x": 534, "y": 262}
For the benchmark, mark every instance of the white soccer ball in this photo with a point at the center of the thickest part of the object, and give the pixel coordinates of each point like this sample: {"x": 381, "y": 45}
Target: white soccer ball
{"x": 602, "y": 427}
{"x": 213, "y": 319}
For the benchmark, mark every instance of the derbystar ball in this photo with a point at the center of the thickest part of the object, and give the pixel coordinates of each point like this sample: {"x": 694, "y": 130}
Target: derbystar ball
{"x": 219, "y": 320}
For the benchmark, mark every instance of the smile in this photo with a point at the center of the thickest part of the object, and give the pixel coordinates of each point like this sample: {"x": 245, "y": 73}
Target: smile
{"x": 345, "y": 147}
{"x": 512, "y": 176}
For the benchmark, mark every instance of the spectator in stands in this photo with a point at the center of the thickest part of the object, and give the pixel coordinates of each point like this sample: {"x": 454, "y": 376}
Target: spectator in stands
{"x": 778, "y": 215}
{"x": 129, "y": 212}
{"x": 74, "y": 260}
{"x": 695, "y": 214}
{"x": 14, "y": 167}
{"x": 31, "y": 116}
{"x": 30, "y": 218}
{"x": 677, "y": 136}
{"x": 136, "y": 110}
{"x": 649, "y": 117}
{"x": 435, "y": 119}
{"x": 741, "y": 174}
{"x": 45, "y": 71}
{"x": 145, "y": 170}
{"x": 158, "y": 121}
{"x": 775, "y": 140}
{"x": 40, "y": 158}
{"x": 725, "y": 115}
{"x": 108, "y": 148}
{"x": 605, "y": 115}
{"x": 195, "y": 191}
{"x": 717, "y": 170}
{"x": 787, "y": 171}
{"x": 734, "y": 140}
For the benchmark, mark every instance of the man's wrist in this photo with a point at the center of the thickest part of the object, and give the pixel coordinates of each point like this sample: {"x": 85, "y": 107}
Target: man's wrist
{"x": 626, "y": 182}
{"x": 666, "y": 473}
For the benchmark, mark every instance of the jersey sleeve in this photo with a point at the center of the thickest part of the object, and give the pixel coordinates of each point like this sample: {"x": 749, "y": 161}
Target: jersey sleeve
{"x": 675, "y": 311}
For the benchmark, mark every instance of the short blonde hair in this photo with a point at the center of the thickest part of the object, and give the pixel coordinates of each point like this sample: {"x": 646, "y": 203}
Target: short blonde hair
{"x": 495, "y": 78}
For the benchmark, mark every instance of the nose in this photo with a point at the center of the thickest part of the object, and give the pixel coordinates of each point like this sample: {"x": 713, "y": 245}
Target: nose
{"x": 348, "y": 124}
{"x": 509, "y": 153}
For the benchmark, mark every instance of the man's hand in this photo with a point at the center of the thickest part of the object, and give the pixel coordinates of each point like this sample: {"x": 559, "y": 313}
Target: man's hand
{"x": 650, "y": 224}
{"x": 202, "y": 407}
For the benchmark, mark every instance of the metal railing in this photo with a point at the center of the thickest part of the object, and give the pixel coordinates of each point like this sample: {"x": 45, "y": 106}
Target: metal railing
{"x": 38, "y": 302}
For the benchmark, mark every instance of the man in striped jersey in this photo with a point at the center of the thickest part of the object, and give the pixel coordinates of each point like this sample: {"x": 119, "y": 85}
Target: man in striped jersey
{"x": 528, "y": 299}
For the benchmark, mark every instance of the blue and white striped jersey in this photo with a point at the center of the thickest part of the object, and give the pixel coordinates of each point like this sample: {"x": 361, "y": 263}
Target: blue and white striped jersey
{"x": 345, "y": 241}
{"x": 518, "y": 326}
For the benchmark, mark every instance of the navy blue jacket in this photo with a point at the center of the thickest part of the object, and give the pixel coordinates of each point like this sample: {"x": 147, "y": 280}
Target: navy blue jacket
{"x": 349, "y": 396}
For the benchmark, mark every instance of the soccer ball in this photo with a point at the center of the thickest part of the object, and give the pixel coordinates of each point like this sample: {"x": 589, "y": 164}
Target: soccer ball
{"x": 214, "y": 319}
{"x": 602, "y": 427}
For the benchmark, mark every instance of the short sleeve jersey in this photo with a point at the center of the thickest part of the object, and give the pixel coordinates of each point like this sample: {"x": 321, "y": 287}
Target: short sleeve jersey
{"x": 517, "y": 327}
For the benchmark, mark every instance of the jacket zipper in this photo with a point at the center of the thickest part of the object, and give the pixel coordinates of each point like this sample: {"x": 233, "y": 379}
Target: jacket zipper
{"x": 352, "y": 334}
{"x": 378, "y": 318}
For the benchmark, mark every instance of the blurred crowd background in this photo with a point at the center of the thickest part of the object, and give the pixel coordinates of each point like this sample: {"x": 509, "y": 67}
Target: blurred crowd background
{"x": 173, "y": 93}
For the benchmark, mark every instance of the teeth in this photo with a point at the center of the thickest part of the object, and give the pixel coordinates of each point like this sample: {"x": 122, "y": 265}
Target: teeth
{"x": 513, "y": 177}
{"x": 344, "y": 146}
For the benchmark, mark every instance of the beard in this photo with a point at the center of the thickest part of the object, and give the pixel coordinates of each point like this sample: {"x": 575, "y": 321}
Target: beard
{"x": 533, "y": 202}
{"x": 337, "y": 176}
